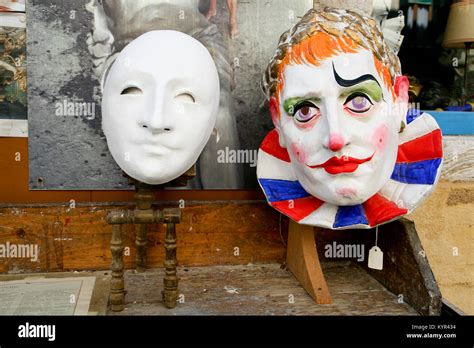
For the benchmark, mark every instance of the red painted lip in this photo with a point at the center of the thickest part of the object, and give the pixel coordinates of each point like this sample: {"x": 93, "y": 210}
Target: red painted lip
{"x": 344, "y": 164}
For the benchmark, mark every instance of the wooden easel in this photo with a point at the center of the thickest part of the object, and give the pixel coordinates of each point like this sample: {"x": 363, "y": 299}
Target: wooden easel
{"x": 303, "y": 261}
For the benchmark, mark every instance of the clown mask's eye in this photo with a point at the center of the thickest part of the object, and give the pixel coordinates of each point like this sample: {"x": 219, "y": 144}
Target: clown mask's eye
{"x": 358, "y": 103}
{"x": 305, "y": 112}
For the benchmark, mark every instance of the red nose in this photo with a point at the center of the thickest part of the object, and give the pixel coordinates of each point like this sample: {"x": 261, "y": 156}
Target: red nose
{"x": 336, "y": 142}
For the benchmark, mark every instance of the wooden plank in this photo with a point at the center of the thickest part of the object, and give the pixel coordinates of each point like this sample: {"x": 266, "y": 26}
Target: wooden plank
{"x": 406, "y": 268}
{"x": 302, "y": 260}
{"x": 266, "y": 289}
{"x": 79, "y": 239}
{"x": 449, "y": 309}
{"x": 458, "y": 158}
{"x": 406, "y": 271}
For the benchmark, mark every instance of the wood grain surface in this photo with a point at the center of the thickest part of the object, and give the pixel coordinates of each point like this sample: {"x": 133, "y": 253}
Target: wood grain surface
{"x": 266, "y": 289}
{"x": 79, "y": 239}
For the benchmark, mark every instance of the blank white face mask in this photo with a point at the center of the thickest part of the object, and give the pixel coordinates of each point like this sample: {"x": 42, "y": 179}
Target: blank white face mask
{"x": 159, "y": 105}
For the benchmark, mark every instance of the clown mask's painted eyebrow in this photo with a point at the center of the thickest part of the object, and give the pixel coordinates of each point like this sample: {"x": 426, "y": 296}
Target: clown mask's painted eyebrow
{"x": 367, "y": 84}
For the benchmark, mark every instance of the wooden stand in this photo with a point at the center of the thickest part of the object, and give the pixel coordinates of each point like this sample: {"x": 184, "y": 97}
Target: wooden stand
{"x": 141, "y": 217}
{"x": 117, "y": 219}
{"x": 303, "y": 261}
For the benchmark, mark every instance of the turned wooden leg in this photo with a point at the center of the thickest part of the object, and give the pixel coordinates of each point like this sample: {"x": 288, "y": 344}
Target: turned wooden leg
{"x": 144, "y": 200}
{"x": 117, "y": 292}
{"x": 170, "y": 281}
{"x": 303, "y": 261}
{"x": 141, "y": 242}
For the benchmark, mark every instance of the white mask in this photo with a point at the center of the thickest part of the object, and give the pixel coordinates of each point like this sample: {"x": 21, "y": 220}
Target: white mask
{"x": 159, "y": 105}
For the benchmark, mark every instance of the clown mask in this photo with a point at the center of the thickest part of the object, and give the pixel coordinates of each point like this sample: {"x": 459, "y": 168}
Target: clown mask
{"x": 345, "y": 152}
{"x": 340, "y": 125}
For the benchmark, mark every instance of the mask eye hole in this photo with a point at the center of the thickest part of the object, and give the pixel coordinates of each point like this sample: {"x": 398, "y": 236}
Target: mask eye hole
{"x": 186, "y": 97}
{"x": 132, "y": 90}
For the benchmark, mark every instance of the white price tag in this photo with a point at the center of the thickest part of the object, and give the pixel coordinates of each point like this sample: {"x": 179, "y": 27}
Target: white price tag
{"x": 376, "y": 258}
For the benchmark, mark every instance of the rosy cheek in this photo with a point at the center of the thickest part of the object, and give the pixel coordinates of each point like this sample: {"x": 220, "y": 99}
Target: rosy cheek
{"x": 298, "y": 152}
{"x": 379, "y": 137}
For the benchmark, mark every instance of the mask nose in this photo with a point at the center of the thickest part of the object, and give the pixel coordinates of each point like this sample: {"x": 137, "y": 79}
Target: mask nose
{"x": 336, "y": 140}
{"x": 155, "y": 119}
{"x": 154, "y": 126}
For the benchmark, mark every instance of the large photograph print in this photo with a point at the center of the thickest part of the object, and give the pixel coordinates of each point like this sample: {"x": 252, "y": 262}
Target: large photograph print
{"x": 72, "y": 44}
{"x": 13, "y": 100}
{"x": 12, "y": 5}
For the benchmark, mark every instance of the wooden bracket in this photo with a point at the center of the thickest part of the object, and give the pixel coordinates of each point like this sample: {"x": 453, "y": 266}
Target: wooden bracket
{"x": 303, "y": 261}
